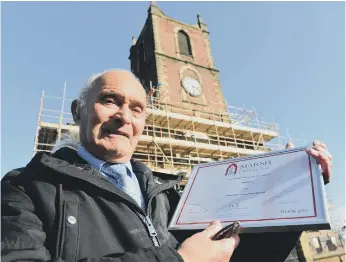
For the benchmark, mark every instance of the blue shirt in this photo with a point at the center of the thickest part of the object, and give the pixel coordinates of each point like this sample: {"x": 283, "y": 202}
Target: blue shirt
{"x": 98, "y": 163}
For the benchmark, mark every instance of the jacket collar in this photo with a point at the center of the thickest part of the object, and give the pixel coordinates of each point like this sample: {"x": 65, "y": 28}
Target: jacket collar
{"x": 94, "y": 161}
{"x": 68, "y": 163}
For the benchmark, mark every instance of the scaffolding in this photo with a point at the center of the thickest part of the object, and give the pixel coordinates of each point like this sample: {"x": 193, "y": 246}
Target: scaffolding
{"x": 177, "y": 136}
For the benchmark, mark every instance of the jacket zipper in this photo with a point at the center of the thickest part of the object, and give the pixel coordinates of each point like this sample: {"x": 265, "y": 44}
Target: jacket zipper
{"x": 147, "y": 220}
{"x": 150, "y": 227}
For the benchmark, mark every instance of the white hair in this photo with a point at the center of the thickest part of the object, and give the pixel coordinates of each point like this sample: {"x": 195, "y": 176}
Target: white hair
{"x": 72, "y": 140}
{"x": 92, "y": 81}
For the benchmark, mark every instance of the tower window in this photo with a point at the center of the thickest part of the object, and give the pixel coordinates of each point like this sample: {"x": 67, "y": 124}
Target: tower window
{"x": 184, "y": 43}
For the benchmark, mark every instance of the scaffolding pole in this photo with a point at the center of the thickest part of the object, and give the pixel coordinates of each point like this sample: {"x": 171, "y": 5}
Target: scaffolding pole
{"x": 38, "y": 123}
{"x": 62, "y": 113}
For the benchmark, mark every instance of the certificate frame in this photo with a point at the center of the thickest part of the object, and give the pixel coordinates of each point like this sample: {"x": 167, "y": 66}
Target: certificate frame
{"x": 318, "y": 220}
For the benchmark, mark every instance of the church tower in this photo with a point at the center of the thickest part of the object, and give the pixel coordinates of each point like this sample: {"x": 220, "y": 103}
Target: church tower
{"x": 175, "y": 59}
{"x": 188, "y": 121}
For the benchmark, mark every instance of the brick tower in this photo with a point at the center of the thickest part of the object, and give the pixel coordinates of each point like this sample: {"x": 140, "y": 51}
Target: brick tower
{"x": 175, "y": 58}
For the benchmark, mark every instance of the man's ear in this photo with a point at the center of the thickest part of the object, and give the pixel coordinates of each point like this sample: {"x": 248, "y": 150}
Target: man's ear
{"x": 75, "y": 110}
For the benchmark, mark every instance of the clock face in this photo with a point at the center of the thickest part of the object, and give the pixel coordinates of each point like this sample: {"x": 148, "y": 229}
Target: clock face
{"x": 192, "y": 86}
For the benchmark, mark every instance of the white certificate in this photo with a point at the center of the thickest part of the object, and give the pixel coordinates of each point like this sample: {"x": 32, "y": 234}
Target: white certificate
{"x": 276, "y": 191}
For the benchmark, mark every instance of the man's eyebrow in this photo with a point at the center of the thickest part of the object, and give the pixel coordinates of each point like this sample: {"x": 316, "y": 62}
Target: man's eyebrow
{"x": 109, "y": 92}
{"x": 138, "y": 103}
{"x": 133, "y": 100}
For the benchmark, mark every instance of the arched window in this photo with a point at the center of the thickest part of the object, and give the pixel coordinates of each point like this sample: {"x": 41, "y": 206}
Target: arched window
{"x": 184, "y": 43}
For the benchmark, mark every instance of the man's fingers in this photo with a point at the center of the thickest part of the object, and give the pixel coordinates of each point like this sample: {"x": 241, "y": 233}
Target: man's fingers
{"x": 212, "y": 229}
{"x": 326, "y": 167}
{"x": 312, "y": 152}
{"x": 324, "y": 151}
{"x": 327, "y": 174}
{"x": 324, "y": 158}
{"x": 317, "y": 151}
{"x": 319, "y": 143}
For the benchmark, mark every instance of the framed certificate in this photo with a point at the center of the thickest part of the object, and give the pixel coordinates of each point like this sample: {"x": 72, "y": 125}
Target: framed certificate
{"x": 277, "y": 191}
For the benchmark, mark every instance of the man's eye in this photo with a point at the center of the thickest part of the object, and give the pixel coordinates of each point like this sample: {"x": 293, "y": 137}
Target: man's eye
{"x": 137, "y": 109}
{"x": 109, "y": 100}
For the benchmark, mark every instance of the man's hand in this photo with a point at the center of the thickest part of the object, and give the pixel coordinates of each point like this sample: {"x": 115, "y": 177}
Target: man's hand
{"x": 201, "y": 248}
{"x": 320, "y": 152}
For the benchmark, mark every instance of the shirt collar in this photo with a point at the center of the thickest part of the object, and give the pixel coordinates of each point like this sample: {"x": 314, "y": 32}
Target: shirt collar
{"x": 95, "y": 162}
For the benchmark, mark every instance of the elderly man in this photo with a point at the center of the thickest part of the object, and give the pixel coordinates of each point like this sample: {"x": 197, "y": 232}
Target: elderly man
{"x": 89, "y": 201}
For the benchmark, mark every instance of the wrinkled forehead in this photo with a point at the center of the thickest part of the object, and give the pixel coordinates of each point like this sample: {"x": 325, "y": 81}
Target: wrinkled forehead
{"x": 121, "y": 82}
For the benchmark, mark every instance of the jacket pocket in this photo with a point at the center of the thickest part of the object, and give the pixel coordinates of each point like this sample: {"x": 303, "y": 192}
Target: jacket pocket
{"x": 70, "y": 232}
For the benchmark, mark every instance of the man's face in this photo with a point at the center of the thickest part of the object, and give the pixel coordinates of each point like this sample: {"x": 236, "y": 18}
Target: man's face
{"x": 114, "y": 117}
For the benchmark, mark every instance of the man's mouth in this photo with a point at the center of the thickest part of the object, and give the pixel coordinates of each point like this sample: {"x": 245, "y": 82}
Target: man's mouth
{"x": 115, "y": 132}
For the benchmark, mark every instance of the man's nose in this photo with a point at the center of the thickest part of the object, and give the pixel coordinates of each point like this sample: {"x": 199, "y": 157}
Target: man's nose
{"x": 124, "y": 114}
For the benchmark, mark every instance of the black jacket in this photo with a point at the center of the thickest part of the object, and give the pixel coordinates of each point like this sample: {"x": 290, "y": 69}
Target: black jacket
{"x": 59, "y": 208}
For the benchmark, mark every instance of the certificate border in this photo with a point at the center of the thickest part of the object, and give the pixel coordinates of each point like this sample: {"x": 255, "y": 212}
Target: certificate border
{"x": 246, "y": 159}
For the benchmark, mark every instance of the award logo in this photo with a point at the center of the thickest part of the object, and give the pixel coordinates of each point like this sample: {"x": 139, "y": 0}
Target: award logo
{"x": 232, "y": 169}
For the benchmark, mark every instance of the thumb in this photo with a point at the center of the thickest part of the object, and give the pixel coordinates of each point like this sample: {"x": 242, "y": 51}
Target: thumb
{"x": 231, "y": 243}
{"x": 212, "y": 229}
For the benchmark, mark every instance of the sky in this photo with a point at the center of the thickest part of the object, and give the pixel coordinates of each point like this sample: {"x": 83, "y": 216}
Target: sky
{"x": 286, "y": 59}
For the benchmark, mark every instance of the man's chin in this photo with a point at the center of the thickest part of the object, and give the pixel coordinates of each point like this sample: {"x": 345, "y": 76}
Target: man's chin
{"x": 115, "y": 157}
{"x": 117, "y": 154}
